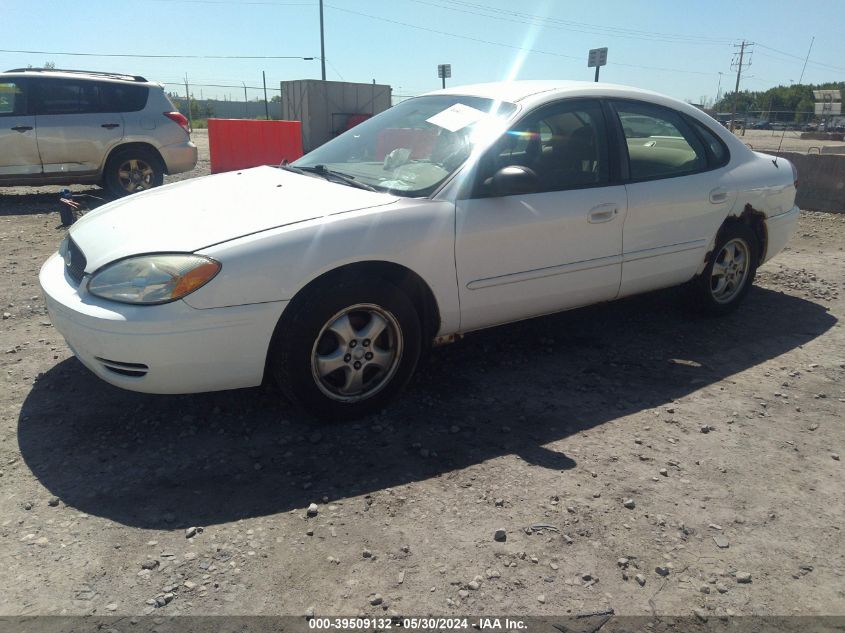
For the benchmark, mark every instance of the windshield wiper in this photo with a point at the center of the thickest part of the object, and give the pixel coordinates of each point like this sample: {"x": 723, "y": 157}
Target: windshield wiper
{"x": 330, "y": 174}
{"x": 288, "y": 167}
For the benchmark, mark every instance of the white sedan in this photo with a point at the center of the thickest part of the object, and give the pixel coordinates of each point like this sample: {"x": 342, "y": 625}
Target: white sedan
{"x": 451, "y": 212}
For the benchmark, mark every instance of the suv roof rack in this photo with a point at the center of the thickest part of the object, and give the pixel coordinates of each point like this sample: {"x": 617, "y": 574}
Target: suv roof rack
{"x": 80, "y": 72}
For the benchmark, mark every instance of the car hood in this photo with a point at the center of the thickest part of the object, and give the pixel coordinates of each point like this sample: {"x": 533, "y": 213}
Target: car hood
{"x": 193, "y": 214}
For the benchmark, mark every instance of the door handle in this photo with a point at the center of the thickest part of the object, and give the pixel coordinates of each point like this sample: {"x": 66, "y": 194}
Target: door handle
{"x": 110, "y": 126}
{"x": 603, "y": 213}
{"x": 22, "y": 128}
{"x": 718, "y": 196}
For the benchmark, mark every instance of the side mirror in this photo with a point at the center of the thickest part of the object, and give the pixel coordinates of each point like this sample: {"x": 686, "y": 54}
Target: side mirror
{"x": 514, "y": 179}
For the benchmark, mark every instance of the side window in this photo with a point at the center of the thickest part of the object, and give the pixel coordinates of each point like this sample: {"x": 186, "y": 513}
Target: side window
{"x": 716, "y": 149}
{"x": 564, "y": 144}
{"x": 60, "y": 96}
{"x": 660, "y": 144}
{"x": 122, "y": 97}
{"x": 12, "y": 99}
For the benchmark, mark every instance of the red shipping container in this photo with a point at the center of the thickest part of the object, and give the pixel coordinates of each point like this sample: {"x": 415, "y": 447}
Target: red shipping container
{"x": 242, "y": 143}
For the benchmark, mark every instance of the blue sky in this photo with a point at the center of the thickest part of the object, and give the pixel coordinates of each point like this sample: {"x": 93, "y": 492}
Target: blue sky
{"x": 675, "y": 47}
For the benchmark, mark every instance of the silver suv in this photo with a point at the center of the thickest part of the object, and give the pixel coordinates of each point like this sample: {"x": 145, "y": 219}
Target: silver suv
{"x": 72, "y": 126}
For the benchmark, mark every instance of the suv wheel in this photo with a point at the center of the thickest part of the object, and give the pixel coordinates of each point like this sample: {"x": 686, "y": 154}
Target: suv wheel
{"x": 132, "y": 170}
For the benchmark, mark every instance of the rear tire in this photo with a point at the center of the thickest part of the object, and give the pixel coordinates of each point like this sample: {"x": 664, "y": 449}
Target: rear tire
{"x": 346, "y": 350}
{"x": 729, "y": 274}
{"x": 132, "y": 170}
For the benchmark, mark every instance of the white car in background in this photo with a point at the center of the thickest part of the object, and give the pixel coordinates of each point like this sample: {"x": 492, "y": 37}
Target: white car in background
{"x": 451, "y": 212}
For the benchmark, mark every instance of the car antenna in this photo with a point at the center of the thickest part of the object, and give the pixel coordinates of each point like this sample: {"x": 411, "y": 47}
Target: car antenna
{"x": 806, "y": 59}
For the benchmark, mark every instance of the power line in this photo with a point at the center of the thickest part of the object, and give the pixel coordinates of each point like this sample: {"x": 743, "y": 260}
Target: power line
{"x": 462, "y": 37}
{"x": 511, "y": 46}
{"x": 799, "y": 58}
{"x": 683, "y": 37}
{"x": 567, "y": 25}
{"x": 239, "y": 87}
{"x": 250, "y": 2}
{"x": 140, "y": 56}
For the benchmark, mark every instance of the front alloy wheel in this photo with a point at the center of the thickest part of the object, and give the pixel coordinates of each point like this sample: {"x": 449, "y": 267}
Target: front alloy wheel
{"x": 344, "y": 348}
{"x": 357, "y": 353}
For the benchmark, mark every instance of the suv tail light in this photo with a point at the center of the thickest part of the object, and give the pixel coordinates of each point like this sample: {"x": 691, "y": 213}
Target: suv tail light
{"x": 178, "y": 117}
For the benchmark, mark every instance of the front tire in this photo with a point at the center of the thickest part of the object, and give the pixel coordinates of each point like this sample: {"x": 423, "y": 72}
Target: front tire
{"x": 345, "y": 350}
{"x": 729, "y": 274}
{"x": 131, "y": 170}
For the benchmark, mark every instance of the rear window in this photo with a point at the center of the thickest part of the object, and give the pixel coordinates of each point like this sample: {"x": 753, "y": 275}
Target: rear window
{"x": 123, "y": 97}
{"x": 71, "y": 96}
{"x": 660, "y": 144}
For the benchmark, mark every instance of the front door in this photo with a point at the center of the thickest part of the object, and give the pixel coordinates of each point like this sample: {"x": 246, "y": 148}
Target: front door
{"x": 18, "y": 141}
{"x": 558, "y": 247}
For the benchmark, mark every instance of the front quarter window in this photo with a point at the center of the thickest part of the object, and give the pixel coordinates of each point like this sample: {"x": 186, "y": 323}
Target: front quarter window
{"x": 413, "y": 147}
{"x": 12, "y": 100}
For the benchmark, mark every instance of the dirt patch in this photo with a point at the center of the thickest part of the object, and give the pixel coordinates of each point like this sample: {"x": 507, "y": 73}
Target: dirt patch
{"x": 659, "y": 458}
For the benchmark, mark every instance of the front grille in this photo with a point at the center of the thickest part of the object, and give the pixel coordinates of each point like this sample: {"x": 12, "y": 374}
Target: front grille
{"x": 75, "y": 261}
{"x": 133, "y": 370}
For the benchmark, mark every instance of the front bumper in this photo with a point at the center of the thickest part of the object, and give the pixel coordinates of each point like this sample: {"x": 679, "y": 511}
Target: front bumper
{"x": 180, "y": 157}
{"x": 779, "y": 228}
{"x": 169, "y": 348}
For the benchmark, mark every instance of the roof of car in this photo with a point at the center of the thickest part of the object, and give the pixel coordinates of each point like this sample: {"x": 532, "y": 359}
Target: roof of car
{"x": 519, "y": 90}
{"x": 76, "y": 74}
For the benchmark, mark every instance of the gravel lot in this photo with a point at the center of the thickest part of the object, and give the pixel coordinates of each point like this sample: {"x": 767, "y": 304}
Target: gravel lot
{"x": 669, "y": 464}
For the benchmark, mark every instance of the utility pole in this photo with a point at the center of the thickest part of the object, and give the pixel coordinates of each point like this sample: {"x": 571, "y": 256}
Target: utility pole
{"x": 246, "y": 102}
{"x": 322, "y": 43}
{"x": 719, "y": 87}
{"x": 266, "y": 103}
{"x": 188, "y": 99}
{"x": 740, "y": 65}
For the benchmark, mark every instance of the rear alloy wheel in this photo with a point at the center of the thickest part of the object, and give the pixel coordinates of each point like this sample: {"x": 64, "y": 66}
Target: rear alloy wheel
{"x": 130, "y": 171}
{"x": 346, "y": 348}
{"x": 729, "y": 274}
{"x": 730, "y": 271}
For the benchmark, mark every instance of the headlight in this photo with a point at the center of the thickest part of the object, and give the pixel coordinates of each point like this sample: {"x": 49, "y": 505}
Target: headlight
{"x": 151, "y": 279}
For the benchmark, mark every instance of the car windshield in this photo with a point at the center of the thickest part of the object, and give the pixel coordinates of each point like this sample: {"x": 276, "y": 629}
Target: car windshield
{"x": 410, "y": 149}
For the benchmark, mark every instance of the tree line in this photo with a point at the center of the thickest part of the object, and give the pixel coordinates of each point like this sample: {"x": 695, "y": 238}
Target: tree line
{"x": 782, "y": 103}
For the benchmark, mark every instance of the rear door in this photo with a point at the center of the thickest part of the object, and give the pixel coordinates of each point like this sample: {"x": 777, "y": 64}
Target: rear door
{"x": 679, "y": 193}
{"x": 75, "y": 130}
{"x": 18, "y": 141}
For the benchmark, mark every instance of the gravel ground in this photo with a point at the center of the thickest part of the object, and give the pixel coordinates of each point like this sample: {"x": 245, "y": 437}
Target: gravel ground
{"x": 667, "y": 464}
{"x": 770, "y": 140}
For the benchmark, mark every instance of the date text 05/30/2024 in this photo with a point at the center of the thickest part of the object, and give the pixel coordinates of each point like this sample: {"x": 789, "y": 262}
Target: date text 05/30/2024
{"x": 456, "y": 624}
